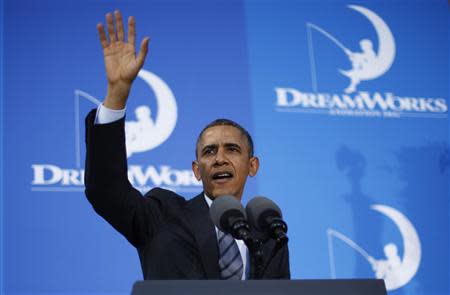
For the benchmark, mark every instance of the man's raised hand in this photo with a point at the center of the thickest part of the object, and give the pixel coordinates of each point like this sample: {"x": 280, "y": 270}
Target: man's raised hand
{"x": 122, "y": 64}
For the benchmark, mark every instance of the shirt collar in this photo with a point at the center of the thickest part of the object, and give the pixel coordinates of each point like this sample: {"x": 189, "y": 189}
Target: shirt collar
{"x": 208, "y": 200}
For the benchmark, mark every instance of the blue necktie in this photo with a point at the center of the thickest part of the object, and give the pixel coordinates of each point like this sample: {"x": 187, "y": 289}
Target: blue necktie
{"x": 230, "y": 260}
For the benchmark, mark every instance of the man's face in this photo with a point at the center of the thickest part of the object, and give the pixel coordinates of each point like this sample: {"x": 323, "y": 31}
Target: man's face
{"x": 223, "y": 161}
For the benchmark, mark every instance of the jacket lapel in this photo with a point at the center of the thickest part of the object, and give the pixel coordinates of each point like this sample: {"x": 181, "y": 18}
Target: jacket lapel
{"x": 205, "y": 235}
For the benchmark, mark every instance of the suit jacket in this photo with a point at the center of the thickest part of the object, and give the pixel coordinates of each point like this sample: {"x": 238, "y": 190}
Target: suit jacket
{"x": 175, "y": 238}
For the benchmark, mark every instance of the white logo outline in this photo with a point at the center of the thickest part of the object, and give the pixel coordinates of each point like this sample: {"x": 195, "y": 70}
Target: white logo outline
{"x": 139, "y": 139}
{"x": 366, "y": 65}
{"x": 395, "y": 271}
{"x": 144, "y": 134}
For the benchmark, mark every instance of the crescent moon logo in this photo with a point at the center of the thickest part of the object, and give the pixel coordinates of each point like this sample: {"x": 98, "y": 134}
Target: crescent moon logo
{"x": 368, "y": 65}
{"x": 395, "y": 272}
{"x": 145, "y": 133}
{"x": 386, "y": 45}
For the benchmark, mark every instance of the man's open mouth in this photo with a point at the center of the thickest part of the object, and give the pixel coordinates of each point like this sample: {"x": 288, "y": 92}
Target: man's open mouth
{"x": 222, "y": 175}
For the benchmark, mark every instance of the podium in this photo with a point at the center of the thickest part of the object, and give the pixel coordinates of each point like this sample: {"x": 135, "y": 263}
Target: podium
{"x": 261, "y": 287}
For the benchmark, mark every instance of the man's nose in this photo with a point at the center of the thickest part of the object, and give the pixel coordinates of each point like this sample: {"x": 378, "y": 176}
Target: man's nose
{"x": 221, "y": 158}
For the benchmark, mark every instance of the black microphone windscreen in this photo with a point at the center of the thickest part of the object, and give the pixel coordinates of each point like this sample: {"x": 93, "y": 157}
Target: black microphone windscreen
{"x": 222, "y": 206}
{"x": 261, "y": 207}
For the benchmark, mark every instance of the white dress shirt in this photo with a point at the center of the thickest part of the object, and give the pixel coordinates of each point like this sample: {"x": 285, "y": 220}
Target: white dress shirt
{"x": 106, "y": 115}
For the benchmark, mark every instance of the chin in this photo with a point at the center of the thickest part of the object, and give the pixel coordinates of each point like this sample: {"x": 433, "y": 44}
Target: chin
{"x": 222, "y": 192}
{"x": 227, "y": 193}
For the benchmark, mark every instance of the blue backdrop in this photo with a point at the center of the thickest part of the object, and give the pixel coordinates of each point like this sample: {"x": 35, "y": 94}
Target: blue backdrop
{"x": 347, "y": 103}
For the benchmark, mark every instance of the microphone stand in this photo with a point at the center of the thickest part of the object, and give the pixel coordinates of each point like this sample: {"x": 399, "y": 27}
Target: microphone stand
{"x": 242, "y": 230}
{"x": 278, "y": 245}
{"x": 278, "y": 230}
{"x": 256, "y": 258}
{"x": 257, "y": 267}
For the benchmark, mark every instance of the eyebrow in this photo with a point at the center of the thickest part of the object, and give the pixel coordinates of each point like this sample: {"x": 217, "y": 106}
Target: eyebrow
{"x": 234, "y": 145}
{"x": 209, "y": 146}
{"x": 227, "y": 145}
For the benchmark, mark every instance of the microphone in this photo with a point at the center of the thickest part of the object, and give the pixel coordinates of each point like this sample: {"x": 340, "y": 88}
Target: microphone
{"x": 266, "y": 217}
{"x": 228, "y": 214}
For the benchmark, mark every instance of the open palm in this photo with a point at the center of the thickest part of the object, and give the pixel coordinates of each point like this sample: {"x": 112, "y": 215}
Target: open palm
{"x": 122, "y": 64}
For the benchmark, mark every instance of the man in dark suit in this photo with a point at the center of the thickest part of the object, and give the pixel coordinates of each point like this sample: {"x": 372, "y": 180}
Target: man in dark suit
{"x": 175, "y": 238}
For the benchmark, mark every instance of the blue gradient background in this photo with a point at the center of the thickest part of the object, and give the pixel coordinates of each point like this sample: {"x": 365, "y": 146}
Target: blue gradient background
{"x": 224, "y": 59}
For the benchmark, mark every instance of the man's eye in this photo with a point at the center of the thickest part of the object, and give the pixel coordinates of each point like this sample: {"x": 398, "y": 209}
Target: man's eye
{"x": 208, "y": 152}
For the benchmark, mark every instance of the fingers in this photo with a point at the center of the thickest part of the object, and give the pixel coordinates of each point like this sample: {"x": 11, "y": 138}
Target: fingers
{"x": 142, "y": 52}
{"x": 110, "y": 26}
{"x": 118, "y": 33}
{"x": 119, "y": 25}
{"x": 131, "y": 31}
{"x": 102, "y": 35}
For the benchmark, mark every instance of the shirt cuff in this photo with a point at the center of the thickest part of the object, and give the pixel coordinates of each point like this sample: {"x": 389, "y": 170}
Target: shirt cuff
{"x": 105, "y": 115}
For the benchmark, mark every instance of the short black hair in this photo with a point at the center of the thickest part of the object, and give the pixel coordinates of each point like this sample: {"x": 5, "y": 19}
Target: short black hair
{"x": 228, "y": 122}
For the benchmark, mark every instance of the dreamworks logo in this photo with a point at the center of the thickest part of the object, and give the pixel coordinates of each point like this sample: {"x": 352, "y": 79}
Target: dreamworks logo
{"x": 366, "y": 65}
{"x": 395, "y": 270}
{"x": 360, "y": 104}
{"x": 145, "y": 134}
{"x": 142, "y": 135}
{"x": 47, "y": 177}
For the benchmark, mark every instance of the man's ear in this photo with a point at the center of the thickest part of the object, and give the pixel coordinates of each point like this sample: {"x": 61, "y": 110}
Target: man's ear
{"x": 254, "y": 166}
{"x": 196, "y": 170}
